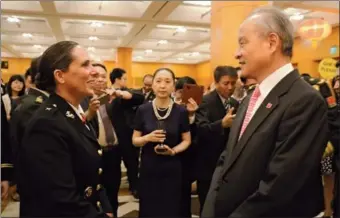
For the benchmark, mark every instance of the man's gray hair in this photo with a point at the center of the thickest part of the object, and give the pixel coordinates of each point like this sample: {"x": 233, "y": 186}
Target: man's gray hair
{"x": 276, "y": 21}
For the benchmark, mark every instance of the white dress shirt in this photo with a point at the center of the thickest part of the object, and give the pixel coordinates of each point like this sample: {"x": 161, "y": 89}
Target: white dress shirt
{"x": 78, "y": 110}
{"x": 268, "y": 84}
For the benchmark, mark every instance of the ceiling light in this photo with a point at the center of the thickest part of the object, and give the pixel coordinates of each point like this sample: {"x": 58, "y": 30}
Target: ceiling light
{"x": 96, "y": 24}
{"x": 139, "y": 57}
{"x": 297, "y": 17}
{"x": 195, "y": 53}
{"x": 37, "y": 46}
{"x": 163, "y": 42}
{"x": 93, "y": 38}
{"x": 91, "y": 49}
{"x": 181, "y": 29}
{"x": 13, "y": 19}
{"x": 180, "y": 59}
{"x": 27, "y": 35}
{"x": 148, "y": 51}
{"x": 200, "y": 3}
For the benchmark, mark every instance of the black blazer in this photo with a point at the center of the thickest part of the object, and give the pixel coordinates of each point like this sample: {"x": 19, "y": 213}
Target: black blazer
{"x": 21, "y": 115}
{"x": 274, "y": 169}
{"x": 60, "y": 165}
{"x": 334, "y": 126}
{"x": 120, "y": 112}
{"x": 6, "y": 151}
{"x": 211, "y": 137}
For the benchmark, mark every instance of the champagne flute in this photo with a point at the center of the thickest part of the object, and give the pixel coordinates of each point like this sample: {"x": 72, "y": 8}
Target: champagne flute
{"x": 161, "y": 126}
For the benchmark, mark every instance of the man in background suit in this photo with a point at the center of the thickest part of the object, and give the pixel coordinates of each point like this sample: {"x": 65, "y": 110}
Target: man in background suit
{"x": 108, "y": 122}
{"x": 271, "y": 165}
{"x": 213, "y": 119}
{"x": 146, "y": 90}
{"x": 334, "y": 125}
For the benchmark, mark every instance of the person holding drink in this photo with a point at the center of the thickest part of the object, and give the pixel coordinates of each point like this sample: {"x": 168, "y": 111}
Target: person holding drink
{"x": 162, "y": 130}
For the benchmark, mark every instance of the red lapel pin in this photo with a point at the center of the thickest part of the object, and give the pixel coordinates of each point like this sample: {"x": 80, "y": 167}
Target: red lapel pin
{"x": 269, "y": 105}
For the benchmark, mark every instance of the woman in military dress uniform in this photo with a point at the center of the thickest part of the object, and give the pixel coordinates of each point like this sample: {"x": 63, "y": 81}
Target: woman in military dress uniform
{"x": 60, "y": 159}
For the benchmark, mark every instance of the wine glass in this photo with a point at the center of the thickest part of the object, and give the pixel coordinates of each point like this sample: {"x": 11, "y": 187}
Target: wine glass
{"x": 161, "y": 126}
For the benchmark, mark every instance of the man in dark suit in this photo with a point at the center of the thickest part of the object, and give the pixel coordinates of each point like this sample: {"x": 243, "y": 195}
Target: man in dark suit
{"x": 112, "y": 132}
{"x": 6, "y": 155}
{"x": 213, "y": 119}
{"x": 334, "y": 125}
{"x": 146, "y": 90}
{"x": 27, "y": 105}
{"x": 271, "y": 164}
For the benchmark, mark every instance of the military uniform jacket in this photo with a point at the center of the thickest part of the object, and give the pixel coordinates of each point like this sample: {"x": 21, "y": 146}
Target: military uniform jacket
{"x": 60, "y": 165}
{"x": 6, "y": 154}
{"x": 27, "y": 105}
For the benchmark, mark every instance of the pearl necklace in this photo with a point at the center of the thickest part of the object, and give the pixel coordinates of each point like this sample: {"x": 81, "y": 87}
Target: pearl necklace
{"x": 158, "y": 116}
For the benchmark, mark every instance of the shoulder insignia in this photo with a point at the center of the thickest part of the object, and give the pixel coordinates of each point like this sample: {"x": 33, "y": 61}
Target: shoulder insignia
{"x": 48, "y": 108}
{"x": 311, "y": 79}
{"x": 316, "y": 87}
{"x": 69, "y": 114}
{"x": 322, "y": 81}
{"x": 39, "y": 99}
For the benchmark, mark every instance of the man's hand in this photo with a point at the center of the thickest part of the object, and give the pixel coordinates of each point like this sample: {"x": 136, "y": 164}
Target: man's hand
{"x": 228, "y": 119}
{"x": 191, "y": 106}
{"x": 4, "y": 190}
{"x": 93, "y": 107}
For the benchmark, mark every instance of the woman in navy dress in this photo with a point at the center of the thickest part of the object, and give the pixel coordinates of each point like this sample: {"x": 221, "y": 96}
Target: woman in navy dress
{"x": 162, "y": 130}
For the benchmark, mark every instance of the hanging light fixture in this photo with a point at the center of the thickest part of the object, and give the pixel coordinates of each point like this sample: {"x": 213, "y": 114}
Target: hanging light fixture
{"x": 314, "y": 30}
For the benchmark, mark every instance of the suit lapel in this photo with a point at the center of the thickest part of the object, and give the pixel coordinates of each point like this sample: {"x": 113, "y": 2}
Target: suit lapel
{"x": 266, "y": 108}
{"x": 219, "y": 105}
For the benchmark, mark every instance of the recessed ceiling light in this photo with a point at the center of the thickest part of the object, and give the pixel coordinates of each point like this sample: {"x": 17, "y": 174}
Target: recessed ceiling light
{"x": 148, "y": 51}
{"x": 297, "y": 17}
{"x": 96, "y": 24}
{"x": 93, "y": 38}
{"x": 181, "y": 29}
{"x": 139, "y": 57}
{"x": 37, "y": 46}
{"x": 91, "y": 48}
{"x": 13, "y": 19}
{"x": 195, "y": 53}
{"x": 27, "y": 35}
{"x": 163, "y": 42}
{"x": 180, "y": 59}
{"x": 201, "y": 3}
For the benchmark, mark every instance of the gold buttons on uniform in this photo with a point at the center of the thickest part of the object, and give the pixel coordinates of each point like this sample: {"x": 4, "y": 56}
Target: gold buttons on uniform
{"x": 98, "y": 187}
{"x": 88, "y": 192}
{"x": 100, "y": 152}
{"x": 100, "y": 171}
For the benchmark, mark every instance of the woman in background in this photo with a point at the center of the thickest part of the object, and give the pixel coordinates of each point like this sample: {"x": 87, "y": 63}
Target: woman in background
{"x": 15, "y": 89}
{"x": 162, "y": 130}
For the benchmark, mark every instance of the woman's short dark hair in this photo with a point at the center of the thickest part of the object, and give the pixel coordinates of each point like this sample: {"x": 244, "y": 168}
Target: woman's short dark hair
{"x": 221, "y": 71}
{"x": 11, "y": 80}
{"x": 57, "y": 57}
{"x": 184, "y": 80}
{"x": 166, "y": 69}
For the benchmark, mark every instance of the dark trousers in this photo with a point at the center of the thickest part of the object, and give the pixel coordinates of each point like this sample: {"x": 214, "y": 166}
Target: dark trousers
{"x": 130, "y": 154}
{"x": 112, "y": 176}
{"x": 202, "y": 191}
{"x": 186, "y": 198}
